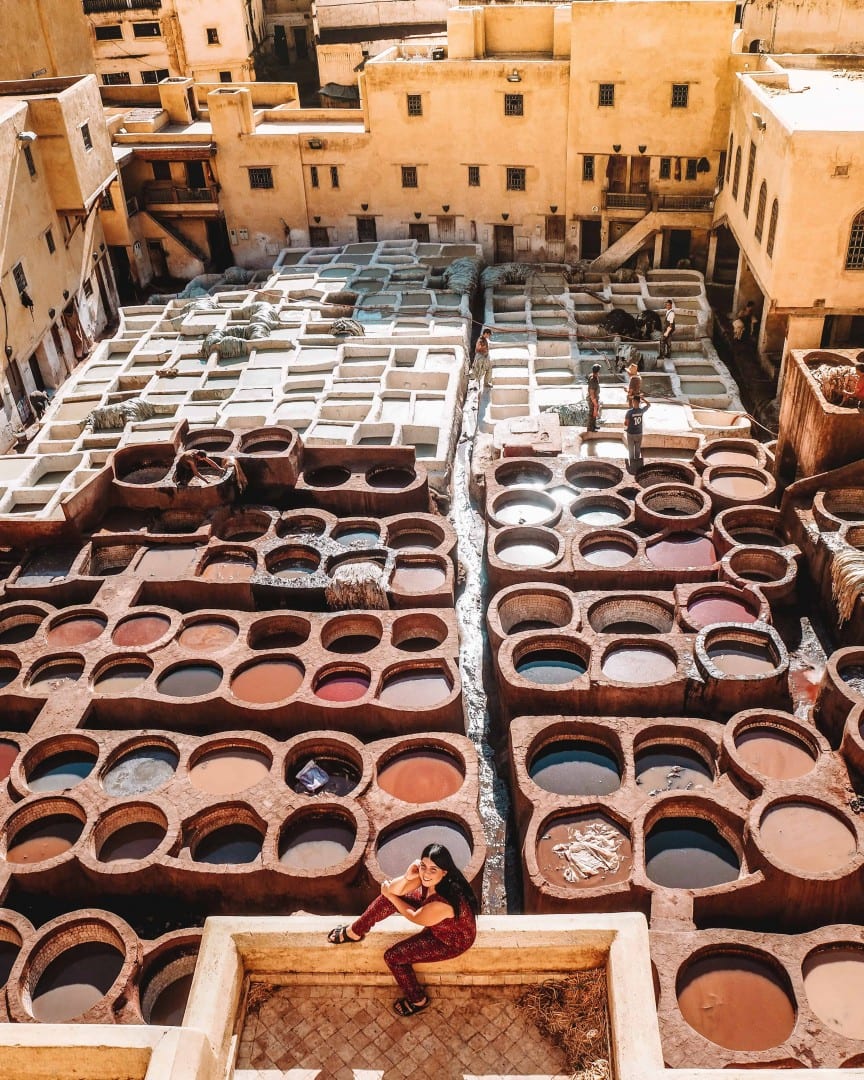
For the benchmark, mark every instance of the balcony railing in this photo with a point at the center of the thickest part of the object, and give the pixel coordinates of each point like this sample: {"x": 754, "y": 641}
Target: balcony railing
{"x": 626, "y": 200}
{"x": 684, "y": 203}
{"x": 175, "y": 193}
{"x": 95, "y": 7}
{"x": 629, "y": 200}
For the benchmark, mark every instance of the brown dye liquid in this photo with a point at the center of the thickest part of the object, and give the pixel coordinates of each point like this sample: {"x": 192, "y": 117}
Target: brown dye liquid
{"x": 8, "y": 955}
{"x": 227, "y": 570}
{"x": 44, "y": 839}
{"x": 774, "y": 753}
{"x": 190, "y": 680}
{"x": 739, "y": 486}
{"x": 418, "y": 579}
{"x": 671, "y": 768}
{"x": 552, "y": 866}
{"x": 225, "y": 772}
{"x": 8, "y": 753}
{"x": 168, "y": 563}
{"x": 147, "y": 474}
{"x": 122, "y": 678}
{"x": 638, "y": 664}
{"x": 76, "y": 631}
{"x": 737, "y": 1002}
{"x": 741, "y": 659}
{"x": 342, "y": 686}
{"x": 392, "y": 478}
{"x": 135, "y": 841}
{"x": 268, "y": 681}
{"x": 140, "y": 630}
{"x": 170, "y": 1005}
{"x": 421, "y": 776}
{"x": 208, "y": 636}
{"x": 834, "y": 984}
{"x": 416, "y": 541}
{"x": 399, "y": 848}
{"x": 716, "y": 609}
{"x": 731, "y": 457}
{"x": 608, "y": 554}
{"x": 314, "y": 844}
{"x": 680, "y": 551}
{"x": 414, "y": 690}
{"x": 75, "y": 981}
{"x": 807, "y": 838}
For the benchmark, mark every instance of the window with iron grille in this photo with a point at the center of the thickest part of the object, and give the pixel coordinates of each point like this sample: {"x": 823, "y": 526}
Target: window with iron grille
{"x": 513, "y": 105}
{"x": 409, "y": 176}
{"x": 106, "y": 201}
{"x": 367, "y": 230}
{"x": 680, "y": 95}
{"x": 736, "y": 175}
{"x": 334, "y": 176}
{"x": 772, "y": 228}
{"x": 748, "y": 187}
{"x": 146, "y": 29}
{"x": 691, "y": 172}
{"x": 117, "y": 78}
{"x": 415, "y": 104}
{"x": 261, "y": 177}
{"x": 855, "y": 251}
{"x": 49, "y": 241}
{"x": 606, "y": 94}
{"x": 515, "y": 179}
{"x": 760, "y": 211}
{"x": 313, "y": 175}
{"x": 212, "y": 35}
{"x": 729, "y": 157}
{"x": 112, "y": 32}
{"x": 588, "y": 167}
{"x": 85, "y": 136}
{"x": 665, "y": 168}
{"x": 154, "y": 76}
{"x": 473, "y": 176}
{"x": 28, "y": 159}
{"x": 20, "y": 277}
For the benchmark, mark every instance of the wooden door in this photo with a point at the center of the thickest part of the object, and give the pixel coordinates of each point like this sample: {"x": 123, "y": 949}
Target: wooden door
{"x": 503, "y": 243}
{"x": 616, "y": 173}
{"x": 639, "y": 172}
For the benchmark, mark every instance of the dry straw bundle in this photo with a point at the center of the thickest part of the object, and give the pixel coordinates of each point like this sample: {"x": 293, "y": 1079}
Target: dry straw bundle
{"x": 572, "y": 1013}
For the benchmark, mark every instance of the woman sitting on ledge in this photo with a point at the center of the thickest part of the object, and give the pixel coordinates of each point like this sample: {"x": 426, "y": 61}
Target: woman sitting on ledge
{"x": 434, "y": 894}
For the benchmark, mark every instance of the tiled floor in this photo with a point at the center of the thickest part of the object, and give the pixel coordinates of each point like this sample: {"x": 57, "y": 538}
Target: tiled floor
{"x": 350, "y": 1033}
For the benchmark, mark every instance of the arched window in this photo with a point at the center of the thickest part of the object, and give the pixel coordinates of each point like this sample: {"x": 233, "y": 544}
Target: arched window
{"x": 760, "y": 211}
{"x": 748, "y": 186}
{"x": 772, "y": 228}
{"x": 855, "y": 251}
{"x": 729, "y": 157}
{"x": 736, "y": 176}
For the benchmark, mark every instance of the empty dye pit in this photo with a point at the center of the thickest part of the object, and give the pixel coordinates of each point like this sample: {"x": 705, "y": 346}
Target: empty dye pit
{"x": 61, "y": 771}
{"x": 834, "y": 984}
{"x": 44, "y": 839}
{"x": 229, "y": 770}
{"x": 671, "y": 768}
{"x": 807, "y": 838}
{"x": 421, "y": 776}
{"x": 268, "y": 681}
{"x": 689, "y": 853}
{"x": 638, "y": 664}
{"x": 314, "y": 843}
{"x": 576, "y": 767}
{"x": 132, "y": 842}
{"x": 775, "y": 753}
{"x": 75, "y": 981}
{"x": 144, "y": 769}
{"x": 551, "y": 667}
{"x": 415, "y": 689}
{"x": 398, "y": 848}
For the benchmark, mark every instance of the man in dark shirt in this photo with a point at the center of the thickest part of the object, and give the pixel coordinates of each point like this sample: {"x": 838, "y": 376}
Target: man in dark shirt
{"x": 594, "y": 397}
{"x": 633, "y": 430}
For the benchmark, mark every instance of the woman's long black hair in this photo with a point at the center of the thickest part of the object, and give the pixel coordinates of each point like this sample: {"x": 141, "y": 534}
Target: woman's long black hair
{"x": 454, "y": 887}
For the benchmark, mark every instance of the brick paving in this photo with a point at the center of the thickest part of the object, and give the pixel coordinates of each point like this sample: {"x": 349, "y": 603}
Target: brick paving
{"x": 349, "y": 1032}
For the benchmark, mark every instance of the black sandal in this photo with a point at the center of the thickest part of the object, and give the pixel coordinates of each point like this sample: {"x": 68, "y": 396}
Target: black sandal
{"x": 339, "y": 936}
{"x": 404, "y": 1007}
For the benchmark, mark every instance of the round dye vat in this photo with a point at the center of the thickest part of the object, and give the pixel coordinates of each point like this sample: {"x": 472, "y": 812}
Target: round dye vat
{"x": 758, "y": 538}
{"x": 415, "y": 689}
{"x": 267, "y": 446}
{"x": 523, "y": 476}
{"x": 592, "y": 481}
{"x": 639, "y": 664}
{"x": 278, "y": 639}
{"x": 599, "y": 515}
{"x": 680, "y": 551}
{"x": 576, "y": 767}
{"x": 689, "y": 853}
{"x": 8, "y": 674}
{"x": 132, "y": 842}
{"x": 393, "y": 478}
{"x": 190, "y": 680}
{"x": 343, "y": 776}
{"x": 140, "y": 630}
{"x": 231, "y": 844}
{"x": 739, "y": 486}
{"x": 417, "y": 579}
{"x": 592, "y": 851}
{"x": 44, "y": 839}
{"x": 834, "y": 984}
{"x": 170, "y": 1005}
{"x": 418, "y": 644}
{"x": 147, "y": 474}
{"x": 142, "y": 770}
{"x": 328, "y": 476}
{"x": 705, "y": 610}
{"x": 315, "y": 843}
{"x": 122, "y": 678}
{"x": 522, "y": 511}
{"x": 351, "y": 644}
{"x": 853, "y": 676}
{"x": 741, "y": 659}
{"x": 424, "y": 775}
{"x": 736, "y": 1001}
{"x": 8, "y": 753}
{"x": 267, "y": 681}
{"x": 229, "y": 770}
{"x": 57, "y": 674}
{"x": 399, "y": 848}
{"x": 8, "y": 955}
{"x": 731, "y": 457}
{"x": 291, "y": 565}
{"x": 358, "y": 537}
{"x": 22, "y": 631}
{"x": 61, "y": 771}
{"x": 526, "y": 553}
{"x": 671, "y": 768}
{"x": 230, "y": 568}
{"x": 208, "y": 635}
{"x": 342, "y": 686}
{"x": 775, "y": 753}
{"x": 75, "y": 981}
{"x": 168, "y": 563}
{"x": 76, "y": 631}
{"x": 551, "y": 667}
{"x": 807, "y": 838}
{"x": 608, "y": 553}
{"x": 532, "y": 624}
{"x": 413, "y": 541}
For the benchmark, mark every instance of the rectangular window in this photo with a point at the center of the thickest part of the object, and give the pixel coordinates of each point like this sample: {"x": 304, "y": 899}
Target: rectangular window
{"x": 665, "y": 168}
{"x": 748, "y": 187}
{"x": 515, "y": 179}
{"x": 112, "y": 32}
{"x": 85, "y": 137}
{"x": 691, "y": 172}
{"x": 680, "y": 95}
{"x": 334, "y": 176}
{"x": 225, "y": 76}
{"x": 49, "y": 241}
{"x": 154, "y": 76}
{"x": 212, "y": 35}
{"x": 588, "y": 167}
{"x": 117, "y": 78}
{"x": 513, "y": 105}
{"x": 28, "y": 158}
{"x": 721, "y": 171}
{"x": 20, "y": 277}
{"x": 313, "y": 176}
{"x": 606, "y": 95}
{"x": 146, "y": 29}
{"x": 415, "y": 104}
{"x": 161, "y": 170}
{"x": 473, "y": 176}
{"x": 409, "y": 176}
{"x": 261, "y": 177}
{"x": 106, "y": 201}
